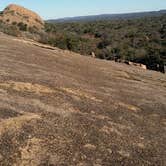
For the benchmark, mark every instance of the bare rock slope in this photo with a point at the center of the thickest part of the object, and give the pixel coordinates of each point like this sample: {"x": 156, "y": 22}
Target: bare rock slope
{"x": 13, "y": 14}
{"x": 59, "y": 108}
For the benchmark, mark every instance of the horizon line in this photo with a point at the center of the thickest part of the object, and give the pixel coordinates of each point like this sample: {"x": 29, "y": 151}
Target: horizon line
{"x": 141, "y": 11}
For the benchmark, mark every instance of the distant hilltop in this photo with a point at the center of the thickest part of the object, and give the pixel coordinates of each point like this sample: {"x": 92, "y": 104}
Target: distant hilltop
{"x": 109, "y": 17}
{"x": 15, "y": 14}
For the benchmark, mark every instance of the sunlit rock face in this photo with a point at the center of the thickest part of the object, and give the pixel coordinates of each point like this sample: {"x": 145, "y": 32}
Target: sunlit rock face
{"x": 15, "y": 14}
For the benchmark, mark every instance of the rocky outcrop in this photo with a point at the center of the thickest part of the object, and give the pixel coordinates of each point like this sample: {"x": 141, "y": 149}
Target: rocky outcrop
{"x": 61, "y": 108}
{"x": 17, "y": 15}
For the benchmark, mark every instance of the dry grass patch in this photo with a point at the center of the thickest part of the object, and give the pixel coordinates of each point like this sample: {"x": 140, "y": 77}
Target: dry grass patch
{"x": 32, "y": 153}
{"x": 14, "y": 124}
{"x": 90, "y": 147}
{"x": 128, "y": 106}
{"x": 122, "y": 74}
{"x": 64, "y": 109}
{"x": 109, "y": 130}
{"x": 26, "y": 87}
{"x": 79, "y": 93}
{"x": 124, "y": 153}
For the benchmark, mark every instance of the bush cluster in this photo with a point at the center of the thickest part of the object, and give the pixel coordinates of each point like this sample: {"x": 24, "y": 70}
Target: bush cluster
{"x": 138, "y": 40}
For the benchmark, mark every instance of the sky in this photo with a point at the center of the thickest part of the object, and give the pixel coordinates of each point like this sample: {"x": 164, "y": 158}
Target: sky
{"x": 52, "y": 9}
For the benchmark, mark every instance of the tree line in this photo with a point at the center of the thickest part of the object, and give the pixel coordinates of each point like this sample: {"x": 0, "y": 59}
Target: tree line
{"x": 138, "y": 40}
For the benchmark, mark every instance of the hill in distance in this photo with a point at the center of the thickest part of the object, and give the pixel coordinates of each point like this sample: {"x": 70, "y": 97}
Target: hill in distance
{"x": 104, "y": 17}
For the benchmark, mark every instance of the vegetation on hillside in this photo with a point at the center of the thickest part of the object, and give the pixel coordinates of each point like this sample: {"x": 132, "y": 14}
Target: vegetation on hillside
{"x": 20, "y": 29}
{"x": 138, "y": 40}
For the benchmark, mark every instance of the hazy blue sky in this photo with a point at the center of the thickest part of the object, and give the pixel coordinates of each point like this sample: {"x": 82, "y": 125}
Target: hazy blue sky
{"x": 65, "y": 8}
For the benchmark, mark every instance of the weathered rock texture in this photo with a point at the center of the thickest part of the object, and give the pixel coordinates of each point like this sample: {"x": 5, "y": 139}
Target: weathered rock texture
{"x": 58, "y": 108}
{"x": 15, "y": 14}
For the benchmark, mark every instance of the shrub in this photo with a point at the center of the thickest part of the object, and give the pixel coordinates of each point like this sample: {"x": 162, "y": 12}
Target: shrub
{"x": 14, "y": 23}
{"x": 22, "y": 26}
{"x": 12, "y": 30}
{"x": 32, "y": 29}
